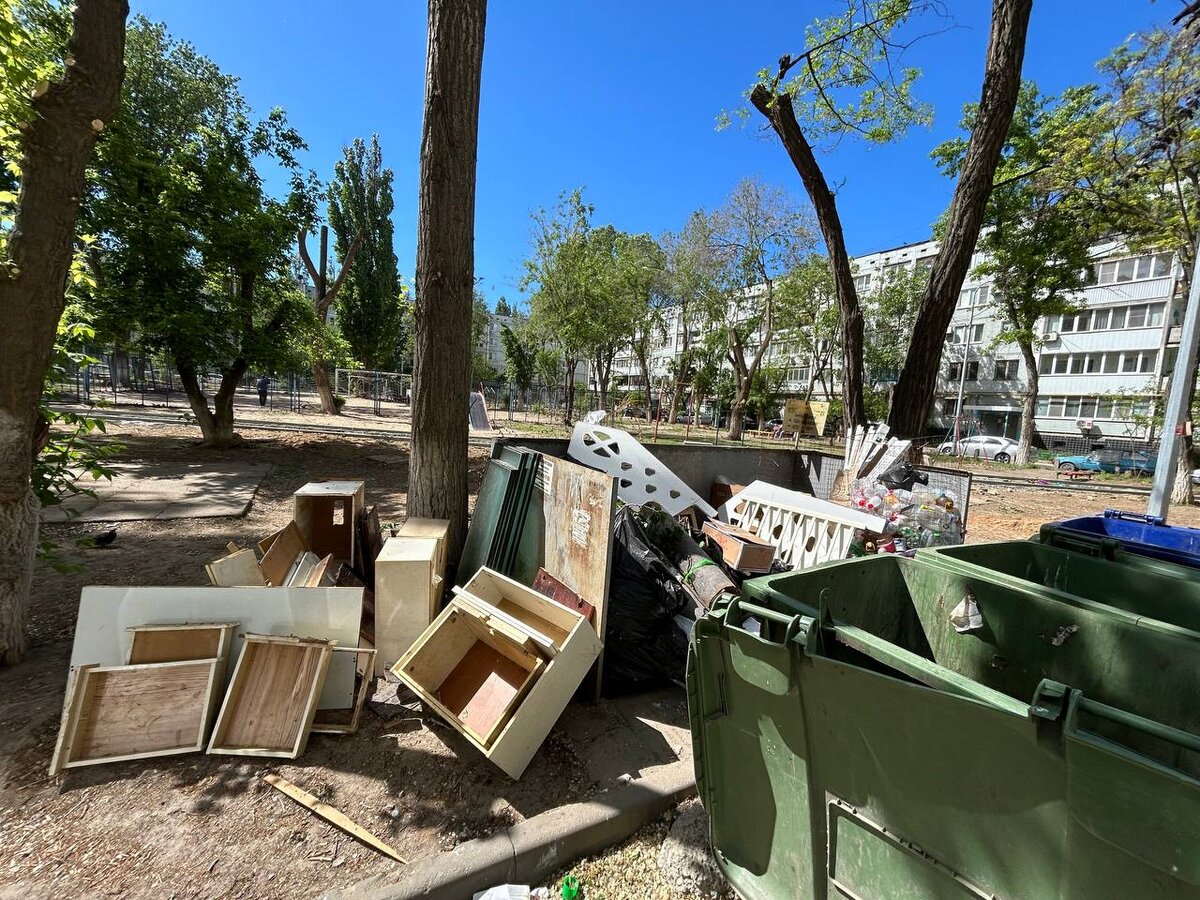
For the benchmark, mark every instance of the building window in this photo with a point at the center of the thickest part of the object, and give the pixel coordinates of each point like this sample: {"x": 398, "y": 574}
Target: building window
{"x": 1118, "y": 318}
{"x": 1112, "y": 362}
{"x": 1129, "y": 362}
{"x": 1056, "y": 407}
{"x": 1071, "y": 408}
{"x": 973, "y": 370}
{"x": 1148, "y": 361}
{"x": 1087, "y": 408}
{"x": 925, "y": 263}
{"x": 955, "y": 371}
{"x": 1104, "y": 408}
{"x": 862, "y": 283}
{"x": 1100, "y": 319}
{"x": 1092, "y": 363}
{"x": 1006, "y": 369}
{"x": 1076, "y": 322}
{"x": 1043, "y": 406}
{"x": 1061, "y": 363}
{"x": 1133, "y": 269}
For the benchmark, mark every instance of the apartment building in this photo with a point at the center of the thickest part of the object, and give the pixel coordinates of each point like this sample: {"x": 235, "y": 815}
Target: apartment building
{"x": 1101, "y": 369}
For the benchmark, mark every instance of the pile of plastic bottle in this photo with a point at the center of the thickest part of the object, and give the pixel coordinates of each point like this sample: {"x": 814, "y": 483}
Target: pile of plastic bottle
{"x": 921, "y": 517}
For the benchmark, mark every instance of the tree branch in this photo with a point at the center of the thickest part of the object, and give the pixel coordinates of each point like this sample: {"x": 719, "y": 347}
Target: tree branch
{"x": 331, "y": 294}
{"x": 302, "y": 240}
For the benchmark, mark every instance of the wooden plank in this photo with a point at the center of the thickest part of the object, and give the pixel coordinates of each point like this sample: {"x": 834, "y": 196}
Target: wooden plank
{"x": 370, "y": 542}
{"x": 521, "y": 632}
{"x": 265, "y": 544}
{"x": 483, "y": 688}
{"x": 332, "y": 816}
{"x": 546, "y": 584}
{"x": 116, "y": 713}
{"x": 302, "y": 569}
{"x": 327, "y": 721}
{"x": 278, "y": 560}
{"x": 239, "y": 569}
{"x": 105, "y": 614}
{"x": 175, "y": 643}
{"x": 272, "y": 698}
{"x": 321, "y": 575}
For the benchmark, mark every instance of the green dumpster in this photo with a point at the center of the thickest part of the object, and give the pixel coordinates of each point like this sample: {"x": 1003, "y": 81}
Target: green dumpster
{"x": 849, "y": 742}
{"x": 1138, "y": 585}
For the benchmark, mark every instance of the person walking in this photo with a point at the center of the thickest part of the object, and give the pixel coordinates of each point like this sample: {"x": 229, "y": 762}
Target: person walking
{"x": 264, "y": 385}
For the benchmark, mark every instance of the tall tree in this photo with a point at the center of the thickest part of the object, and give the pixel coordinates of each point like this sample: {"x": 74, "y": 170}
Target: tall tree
{"x": 1038, "y": 232}
{"x": 756, "y": 238}
{"x": 688, "y": 284}
{"x": 53, "y": 106}
{"x": 520, "y": 357}
{"x": 808, "y": 315}
{"x": 561, "y": 272}
{"x": 1141, "y": 170}
{"x": 325, "y": 335}
{"x": 445, "y": 265}
{"x": 190, "y": 251}
{"x": 370, "y": 308}
{"x": 640, "y": 280}
{"x": 849, "y": 81}
{"x": 890, "y": 313}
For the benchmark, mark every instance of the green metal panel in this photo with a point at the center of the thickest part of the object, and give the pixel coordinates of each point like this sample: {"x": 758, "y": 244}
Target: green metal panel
{"x": 880, "y": 760}
{"x": 1136, "y": 584}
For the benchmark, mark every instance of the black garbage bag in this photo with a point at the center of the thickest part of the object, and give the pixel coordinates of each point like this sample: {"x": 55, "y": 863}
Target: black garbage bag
{"x": 644, "y": 646}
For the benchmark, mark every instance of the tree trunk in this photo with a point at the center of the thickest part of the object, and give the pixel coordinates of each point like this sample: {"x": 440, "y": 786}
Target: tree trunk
{"x": 446, "y": 266}
{"x": 324, "y": 390}
{"x": 56, "y": 145}
{"x": 778, "y": 110}
{"x": 915, "y": 388}
{"x": 738, "y": 407}
{"x": 1028, "y": 404}
{"x": 1181, "y": 487}
{"x": 216, "y": 424}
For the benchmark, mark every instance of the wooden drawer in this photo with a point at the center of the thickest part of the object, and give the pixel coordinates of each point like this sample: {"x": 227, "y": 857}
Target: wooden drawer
{"x": 505, "y": 715}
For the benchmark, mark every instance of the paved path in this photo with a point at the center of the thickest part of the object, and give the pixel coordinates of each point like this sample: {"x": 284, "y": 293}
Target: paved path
{"x": 165, "y": 491}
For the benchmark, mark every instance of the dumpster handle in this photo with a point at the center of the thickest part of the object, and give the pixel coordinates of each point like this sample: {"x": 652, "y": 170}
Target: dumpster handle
{"x": 1134, "y": 517}
{"x": 751, "y": 609}
{"x": 1129, "y": 720}
{"x": 1065, "y": 539}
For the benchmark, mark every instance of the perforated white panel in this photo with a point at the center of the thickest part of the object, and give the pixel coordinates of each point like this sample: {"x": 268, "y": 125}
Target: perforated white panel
{"x": 640, "y": 477}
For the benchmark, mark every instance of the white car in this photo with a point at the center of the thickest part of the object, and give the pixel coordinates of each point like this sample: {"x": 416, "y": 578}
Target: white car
{"x": 982, "y": 446}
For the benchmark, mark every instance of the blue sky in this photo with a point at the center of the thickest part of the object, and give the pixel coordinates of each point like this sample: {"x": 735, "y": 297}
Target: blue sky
{"x": 620, "y": 97}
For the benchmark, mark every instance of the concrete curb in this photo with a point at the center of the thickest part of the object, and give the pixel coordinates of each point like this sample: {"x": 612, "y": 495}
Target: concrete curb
{"x": 530, "y": 850}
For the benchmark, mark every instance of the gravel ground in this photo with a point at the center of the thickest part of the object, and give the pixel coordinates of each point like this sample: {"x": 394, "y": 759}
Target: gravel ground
{"x": 630, "y": 871}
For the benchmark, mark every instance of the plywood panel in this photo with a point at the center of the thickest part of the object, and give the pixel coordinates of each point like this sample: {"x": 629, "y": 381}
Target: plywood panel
{"x": 106, "y": 614}
{"x": 278, "y": 558}
{"x": 272, "y": 697}
{"x": 131, "y": 712}
{"x": 481, "y": 689}
{"x": 326, "y": 513}
{"x": 174, "y": 643}
{"x": 238, "y": 569}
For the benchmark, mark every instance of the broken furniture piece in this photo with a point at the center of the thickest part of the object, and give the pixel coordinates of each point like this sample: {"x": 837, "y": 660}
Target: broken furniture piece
{"x": 272, "y": 697}
{"x": 500, "y": 663}
{"x": 176, "y": 643}
{"x": 326, "y": 514}
{"x": 116, "y": 713}
{"x": 280, "y": 554}
{"x": 408, "y": 592}
{"x": 640, "y": 476}
{"x": 804, "y": 530}
{"x": 345, "y": 721}
{"x": 331, "y": 815}
{"x": 740, "y": 549}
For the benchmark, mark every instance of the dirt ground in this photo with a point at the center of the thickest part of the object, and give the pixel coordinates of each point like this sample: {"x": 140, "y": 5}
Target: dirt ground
{"x": 207, "y": 826}
{"x": 201, "y": 826}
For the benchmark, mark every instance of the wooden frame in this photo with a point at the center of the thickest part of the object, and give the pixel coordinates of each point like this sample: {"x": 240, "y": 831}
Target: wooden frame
{"x": 365, "y": 667}
{"x": 118, "y": 713}
{"x": 236, "y": 569}
{"x": 314, "y": 510}
{"x": 505, "y": 607}
{"x": 272, "y": 697}
{"x": 177, "y": 643}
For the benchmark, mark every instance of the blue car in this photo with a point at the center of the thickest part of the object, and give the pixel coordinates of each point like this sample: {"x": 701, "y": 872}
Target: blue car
{"x": 1139, "y": 462}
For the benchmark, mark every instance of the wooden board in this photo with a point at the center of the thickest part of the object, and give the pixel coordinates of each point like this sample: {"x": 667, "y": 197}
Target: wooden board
{"x": 438, "y": 529}
{"x": 547, "y": 584}
{"x": 322, "y": 574}
{"x": 238, "y": 569}
{"x": 482, "y": 688}
{"x": 578, "y": 504}
{"x": 345, "y": 721}
{"x": 739, "y": 548}
{"x": 175, "y": 643}
{"x": 272, "y": 697}
{"x": 106, "y": 614}
{"x": 115, "y": 713}
{"x": 370, "y": 543}
{"x": 278, "y": 559}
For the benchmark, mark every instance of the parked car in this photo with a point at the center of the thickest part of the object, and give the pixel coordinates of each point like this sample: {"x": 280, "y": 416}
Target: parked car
{"x": 1139, "y": 462}
{"x": 982, "y": 446}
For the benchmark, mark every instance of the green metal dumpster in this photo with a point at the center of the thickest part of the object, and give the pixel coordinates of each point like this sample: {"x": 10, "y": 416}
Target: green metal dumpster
{"x": 849, "y": 742}
{"x": 1138, "y": 585}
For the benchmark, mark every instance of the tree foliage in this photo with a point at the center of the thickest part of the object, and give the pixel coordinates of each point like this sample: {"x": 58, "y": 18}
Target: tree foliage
{"x": 370, "y": 306}
{"x": 191, "y": 253}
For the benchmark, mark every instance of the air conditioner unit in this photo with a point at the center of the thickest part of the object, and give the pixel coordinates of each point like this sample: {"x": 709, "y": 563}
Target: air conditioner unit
{"x": 1050, "y": 337}
{"x": 1084, "y": 424}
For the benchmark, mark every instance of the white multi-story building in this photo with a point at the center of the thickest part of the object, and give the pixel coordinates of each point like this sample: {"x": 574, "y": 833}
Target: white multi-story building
{"x": 1101, "y": 369}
